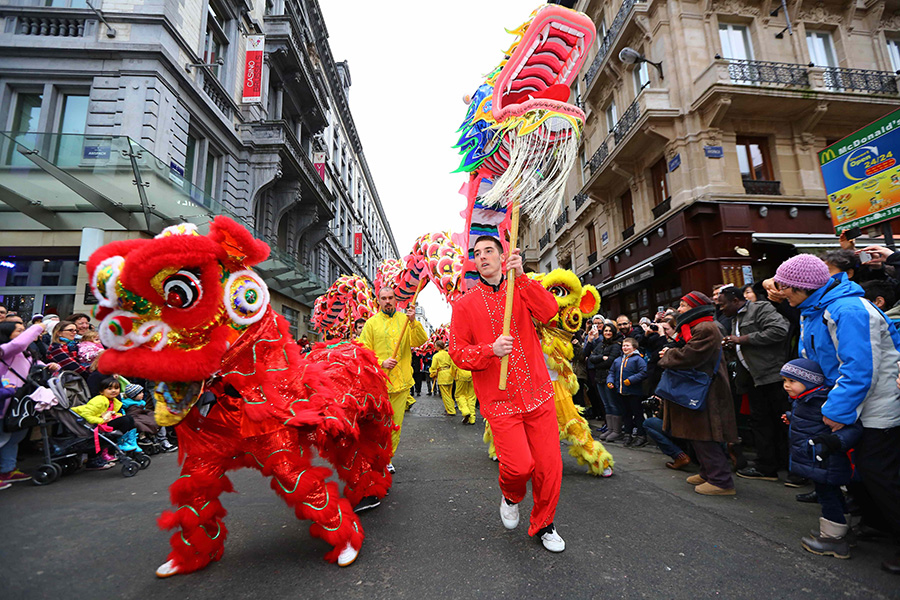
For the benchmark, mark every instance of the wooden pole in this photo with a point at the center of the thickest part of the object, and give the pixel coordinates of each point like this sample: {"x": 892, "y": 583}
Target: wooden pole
{"x": 422, "y": 282}
{"x": 510, "y": 280}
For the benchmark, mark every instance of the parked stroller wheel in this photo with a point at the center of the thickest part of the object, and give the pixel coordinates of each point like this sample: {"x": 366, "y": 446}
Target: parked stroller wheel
{"x": 69, "y": 466}
{"x": 45, "y": 475}
{"x": 143, "y": 461}
{"x": 58, "y": 468}
{"x": 130, "y": 469}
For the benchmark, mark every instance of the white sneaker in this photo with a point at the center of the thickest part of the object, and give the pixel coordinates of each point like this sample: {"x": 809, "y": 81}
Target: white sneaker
{"x": 509, "y": 514}
{"x": 552, "y": 541}
{"x": 347, "y": 556}
{"x": 167, "y": 569}
{"x": 391, "y": 469}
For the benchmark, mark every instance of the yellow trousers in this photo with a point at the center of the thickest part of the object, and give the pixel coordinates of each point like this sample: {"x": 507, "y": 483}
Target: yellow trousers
{"x": 447, "y": 396}
{"x": 465, "y": 398}
{"x": 398, "y": 402}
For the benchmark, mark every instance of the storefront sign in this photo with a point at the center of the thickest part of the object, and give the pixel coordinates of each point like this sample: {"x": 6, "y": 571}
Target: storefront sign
{"x": 862, "y": 175}
{"x": 8, "y": 265}
{"x": 96, "y": 152}
{"x": 253, "y": 63}
{"x": 357, "y": 240}
{"x": 319, "y": 164}
{"x": 89, "y": 297}
{"x": 713, "y": 151}
{"x": 675, "y": 162}
{"x": 636, "y": 277}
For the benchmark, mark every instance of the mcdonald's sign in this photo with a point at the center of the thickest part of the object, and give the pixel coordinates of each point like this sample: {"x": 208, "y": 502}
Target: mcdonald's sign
{"x": 861, "y": 174}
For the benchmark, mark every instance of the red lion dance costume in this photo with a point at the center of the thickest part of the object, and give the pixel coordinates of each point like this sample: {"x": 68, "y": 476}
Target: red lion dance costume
{"x": 184, "y": 310}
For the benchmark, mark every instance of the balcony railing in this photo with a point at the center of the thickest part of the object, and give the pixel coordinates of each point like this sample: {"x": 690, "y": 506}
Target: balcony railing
{"x": 762, "y": 187}
{"x": 561, "y": 220}
{"x": 761, "y": 71}
{"x": 599, "y": 157}
{"x": 545, "y": 239}
{"x": 214, "y": 91}
{"x": 580, "y": 199}
{"x": 861, "y": 80}
{"x": 627, "y": 232}
{"x": 662, "y": 208}
{"x": 609, "y": 39}
{"x": 627, "y": 121}
{"x": 592, "y": 257}
{"x": 50, "y": 26}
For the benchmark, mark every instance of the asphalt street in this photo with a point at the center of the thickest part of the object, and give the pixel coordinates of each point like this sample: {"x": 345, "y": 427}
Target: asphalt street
{"x": 642, "y": 533}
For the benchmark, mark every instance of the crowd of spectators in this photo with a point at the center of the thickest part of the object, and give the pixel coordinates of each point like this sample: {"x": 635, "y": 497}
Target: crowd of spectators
{"x": 808, "y": 361}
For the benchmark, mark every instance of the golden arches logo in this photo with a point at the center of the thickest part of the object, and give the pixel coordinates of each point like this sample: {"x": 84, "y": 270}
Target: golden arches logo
{"x": 827, "y": 155}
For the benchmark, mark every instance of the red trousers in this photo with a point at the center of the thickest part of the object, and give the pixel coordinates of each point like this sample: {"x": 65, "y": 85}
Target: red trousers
{"x": 528, "y": 448}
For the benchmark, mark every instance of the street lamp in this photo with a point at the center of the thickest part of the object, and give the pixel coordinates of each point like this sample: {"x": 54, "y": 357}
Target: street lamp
{"x": 630, "y": 56}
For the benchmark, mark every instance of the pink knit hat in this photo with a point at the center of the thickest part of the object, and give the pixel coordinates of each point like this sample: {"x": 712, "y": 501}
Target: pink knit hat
{"x": 803, "y": 271}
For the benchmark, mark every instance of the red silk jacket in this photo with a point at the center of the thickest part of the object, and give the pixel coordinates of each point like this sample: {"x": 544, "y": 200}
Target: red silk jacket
{"x": 476, "y": 323}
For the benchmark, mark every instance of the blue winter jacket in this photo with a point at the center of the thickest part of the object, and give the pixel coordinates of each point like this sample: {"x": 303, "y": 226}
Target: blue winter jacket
{"x": 634, "y": 369}
{"x": 857, "y": 348}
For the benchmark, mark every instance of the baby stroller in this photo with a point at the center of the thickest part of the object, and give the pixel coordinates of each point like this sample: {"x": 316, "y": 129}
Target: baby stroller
{"x": 62, "y": 452}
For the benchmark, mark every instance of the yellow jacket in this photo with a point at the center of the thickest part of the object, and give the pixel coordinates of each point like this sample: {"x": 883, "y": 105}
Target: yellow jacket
{"x": 442, "y": 368}
{"x": 461, "y": 374}
{"x": 93, "y": 410}
{"x": 380, "y": 334}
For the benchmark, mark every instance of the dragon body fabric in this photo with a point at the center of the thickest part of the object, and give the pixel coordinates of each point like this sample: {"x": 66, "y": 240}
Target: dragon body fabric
{"x": 186, "y": 310}
{"x": 348, "y": 299}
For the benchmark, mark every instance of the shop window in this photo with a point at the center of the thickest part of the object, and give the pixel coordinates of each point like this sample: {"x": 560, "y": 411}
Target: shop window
{"x": 292, "y": 316}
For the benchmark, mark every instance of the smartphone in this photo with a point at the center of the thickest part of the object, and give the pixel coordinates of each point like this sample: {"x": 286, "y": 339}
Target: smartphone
{"x": 852, "y": 233}
{"x": 594, "y": 328}
{"x": 864, "y": 257}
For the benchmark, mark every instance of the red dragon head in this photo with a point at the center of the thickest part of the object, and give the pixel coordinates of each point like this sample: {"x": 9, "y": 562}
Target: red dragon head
{"x": 171, "y": 306}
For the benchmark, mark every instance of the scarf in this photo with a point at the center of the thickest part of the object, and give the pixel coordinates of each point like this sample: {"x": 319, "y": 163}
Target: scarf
{"x": 696, "y": 315}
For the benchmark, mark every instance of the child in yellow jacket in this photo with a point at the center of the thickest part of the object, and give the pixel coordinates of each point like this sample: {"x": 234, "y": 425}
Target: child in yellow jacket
{"x": 441, "y": 371}
{"x": 105, "y": 409}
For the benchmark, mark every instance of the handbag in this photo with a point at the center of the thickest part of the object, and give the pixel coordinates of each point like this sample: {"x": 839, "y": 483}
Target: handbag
{"x": 21, "y": 412}
{"x": 687, "y": 387}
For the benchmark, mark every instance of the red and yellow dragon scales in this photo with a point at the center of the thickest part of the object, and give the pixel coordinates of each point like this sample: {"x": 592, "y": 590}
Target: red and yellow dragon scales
{"x": 187, "y": 311}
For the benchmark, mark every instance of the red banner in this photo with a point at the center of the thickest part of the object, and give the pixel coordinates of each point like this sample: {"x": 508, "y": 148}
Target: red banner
{"x": 319, "y": 164}
{"x": 357, "y": 241}
{"x": 253, "y": 72}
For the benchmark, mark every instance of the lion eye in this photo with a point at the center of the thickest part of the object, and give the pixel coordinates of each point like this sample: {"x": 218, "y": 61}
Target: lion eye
{"x": 559, "y": 291}
{"x": 182, "y": 289}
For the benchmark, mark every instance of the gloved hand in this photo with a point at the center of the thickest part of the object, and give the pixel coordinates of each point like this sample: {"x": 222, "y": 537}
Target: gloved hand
{"x": 626, "y": 382}
{"x": 610, "y": 386}
{"x": 825, "y": 445}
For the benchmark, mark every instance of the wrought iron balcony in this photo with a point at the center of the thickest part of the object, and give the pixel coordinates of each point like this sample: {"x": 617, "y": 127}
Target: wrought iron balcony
{"x": 762, "y": 187}
{"x": 629, "y": 118}
{"x": 662, "y": 208}
{"x": 627, "y": 232}
{"x": 860, "y": 80}
{"x": 545, "y": 239}
{"x": 762, "y": 71}
{"x": 592, "y": 258}
{"x": 599, "y": 157}
{"x": 561, "y": 220}
{"x": 609, "y": 39}
{"x": 580, "y": 199}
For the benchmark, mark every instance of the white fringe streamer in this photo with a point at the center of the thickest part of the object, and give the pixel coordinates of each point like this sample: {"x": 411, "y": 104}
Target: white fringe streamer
{"x": 538, "y": 169}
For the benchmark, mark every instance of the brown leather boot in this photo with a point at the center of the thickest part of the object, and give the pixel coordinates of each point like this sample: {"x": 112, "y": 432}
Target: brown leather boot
{"x": 680, "y": 461}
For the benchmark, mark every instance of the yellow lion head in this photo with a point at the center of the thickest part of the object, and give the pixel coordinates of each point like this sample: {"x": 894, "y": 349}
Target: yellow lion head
{"x": 576, "y": 302}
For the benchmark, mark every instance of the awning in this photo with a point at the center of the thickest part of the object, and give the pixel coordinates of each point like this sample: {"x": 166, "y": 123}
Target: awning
{"x": 811, "y": 241}
{"x": 636, "y": 274}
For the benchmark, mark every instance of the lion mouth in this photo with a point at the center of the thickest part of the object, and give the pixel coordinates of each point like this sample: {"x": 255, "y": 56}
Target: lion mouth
{"x": 546, "y": 60}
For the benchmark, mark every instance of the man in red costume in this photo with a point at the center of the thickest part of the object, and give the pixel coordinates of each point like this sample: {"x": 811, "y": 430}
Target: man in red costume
{"x": 522, "y": 417}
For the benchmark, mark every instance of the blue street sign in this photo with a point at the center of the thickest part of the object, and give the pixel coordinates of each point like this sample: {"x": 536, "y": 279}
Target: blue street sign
{"x": 96, "y": 152}
{"x": 675, "y": 162}
{"x": 713, "y": 151}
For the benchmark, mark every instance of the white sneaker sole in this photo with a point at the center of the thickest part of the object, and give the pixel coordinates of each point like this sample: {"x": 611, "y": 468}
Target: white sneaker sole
{"x": 167, "y": 569}
{"x": 347, "y": 556}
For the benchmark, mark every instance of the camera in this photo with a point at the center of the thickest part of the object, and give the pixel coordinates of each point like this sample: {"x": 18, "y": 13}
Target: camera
{"x": 651, "y": 405}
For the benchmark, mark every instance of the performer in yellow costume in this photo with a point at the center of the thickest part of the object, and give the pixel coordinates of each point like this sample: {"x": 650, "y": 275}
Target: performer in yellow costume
{"x": 380, "y": 334}
{"x": 442, "y": 372}
{"x": 465, "y": 394}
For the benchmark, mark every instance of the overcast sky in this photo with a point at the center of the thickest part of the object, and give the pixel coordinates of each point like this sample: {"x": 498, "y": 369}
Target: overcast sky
{"x": 410, "y": 64}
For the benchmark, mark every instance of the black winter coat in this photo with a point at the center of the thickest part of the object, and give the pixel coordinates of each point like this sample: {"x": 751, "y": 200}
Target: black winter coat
{"x": 806, "y": 424}
{"x": 611, "y": 349}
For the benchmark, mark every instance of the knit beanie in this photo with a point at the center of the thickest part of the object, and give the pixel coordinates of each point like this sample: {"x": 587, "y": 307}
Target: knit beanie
{"x": 805, "y": 371}
{"x": 132, "y": 390}
{"x": 803, "y": 271}
{"x": 695, "y": 299}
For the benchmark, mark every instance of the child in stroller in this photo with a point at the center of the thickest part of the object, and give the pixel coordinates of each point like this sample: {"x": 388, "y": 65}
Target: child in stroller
{"x": 105, "y": 413}
{"x": 144, "y": 420}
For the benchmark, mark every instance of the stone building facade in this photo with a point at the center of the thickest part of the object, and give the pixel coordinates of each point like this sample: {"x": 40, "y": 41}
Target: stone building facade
{"x": 128, "y": 115}
{"x": 703, "y": 169}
